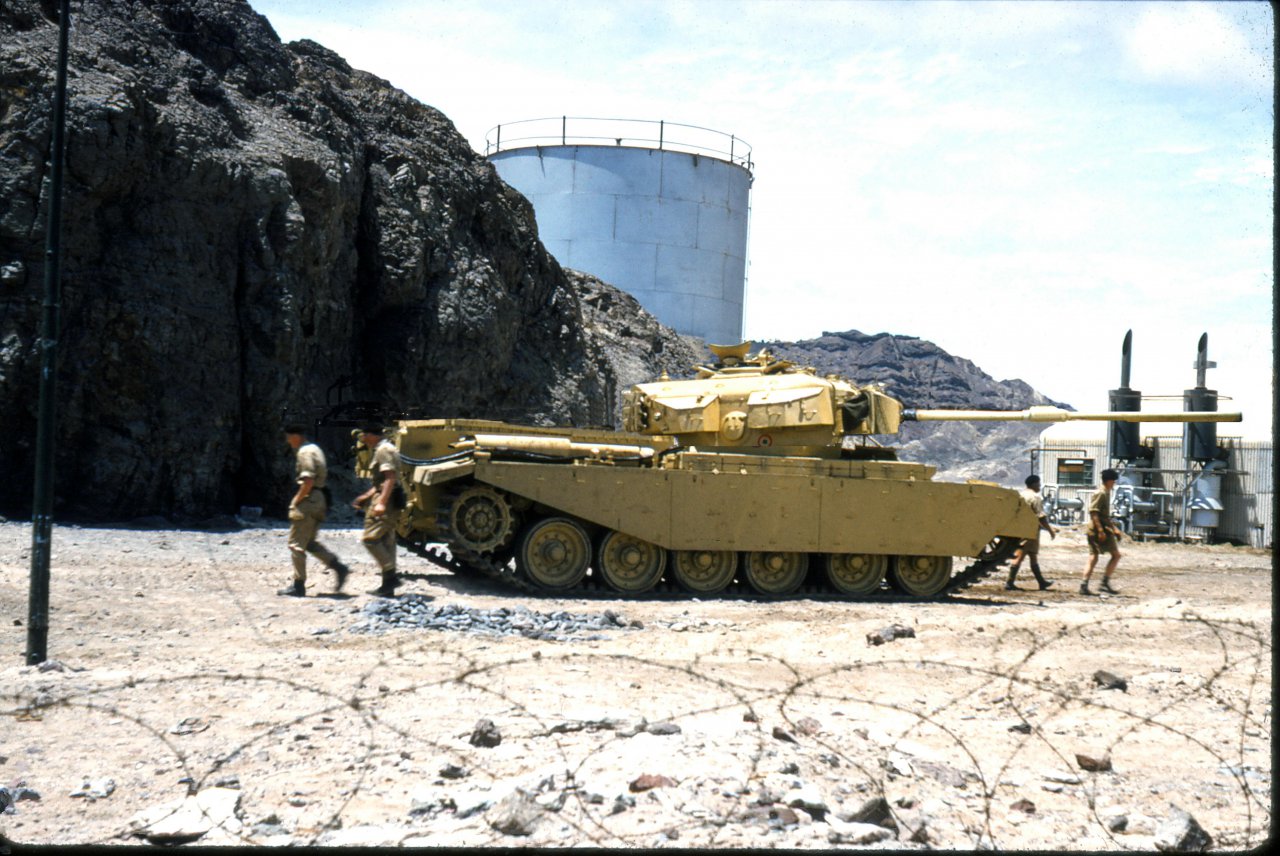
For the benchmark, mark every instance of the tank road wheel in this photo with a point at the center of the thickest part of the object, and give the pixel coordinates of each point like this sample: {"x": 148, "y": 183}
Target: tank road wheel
{"x": 776, "y": 573}
{"x": 630, "y": 565}
{"x": 856, "y": 573}
{"x": 480, "y": 519}
{"x": 704, "y": 571}
{"x": 554, "y": 553}
{"x": 922, "y": 576}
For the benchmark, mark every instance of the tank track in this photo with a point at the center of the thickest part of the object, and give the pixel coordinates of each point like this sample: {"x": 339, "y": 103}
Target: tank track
{"x": 495, "y": 568}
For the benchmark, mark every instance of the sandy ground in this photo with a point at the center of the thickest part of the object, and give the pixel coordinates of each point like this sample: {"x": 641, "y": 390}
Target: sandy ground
{"x": 178, "y": 679}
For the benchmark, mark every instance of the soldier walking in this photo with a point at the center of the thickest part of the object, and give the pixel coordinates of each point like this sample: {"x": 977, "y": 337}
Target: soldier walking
{"x": 382, "y": 503}
{"x": 1030, "y": 547}
{"x": 1103, "y": 534}
{"x": 307, "y": 511}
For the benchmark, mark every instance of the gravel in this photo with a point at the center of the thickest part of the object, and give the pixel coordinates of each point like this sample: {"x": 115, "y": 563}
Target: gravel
{"x": 414, "y": 611}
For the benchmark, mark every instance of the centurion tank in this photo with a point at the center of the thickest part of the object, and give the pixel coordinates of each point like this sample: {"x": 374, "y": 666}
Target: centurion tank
{"x": 753, "y": 476}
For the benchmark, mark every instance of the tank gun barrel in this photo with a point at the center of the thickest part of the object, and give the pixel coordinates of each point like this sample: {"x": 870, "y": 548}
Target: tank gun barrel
{"x": 1044, "y": 413}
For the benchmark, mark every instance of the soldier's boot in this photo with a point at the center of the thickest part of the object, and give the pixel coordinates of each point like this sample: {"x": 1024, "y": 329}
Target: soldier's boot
{"x": 1084, "y": 588}
{"x": 341, "y": 571}
{"x": 294, "y": 589}
{"x": 1040, "y": 580}
{"x": 1106, "y": 586}
{"x": 1013, "y": 575}
{"x": 389, "y": 582}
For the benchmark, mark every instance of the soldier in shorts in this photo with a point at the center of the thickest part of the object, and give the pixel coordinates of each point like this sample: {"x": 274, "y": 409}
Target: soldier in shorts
{"x": 307, "y": 511}
{"x": 1103, "y": 535}
{"x": 381, "y": 503}
{"x": 1030, "y": 548}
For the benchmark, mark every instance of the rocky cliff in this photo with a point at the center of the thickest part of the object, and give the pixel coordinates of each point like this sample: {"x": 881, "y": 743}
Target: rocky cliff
{"x": 247, "y": 222}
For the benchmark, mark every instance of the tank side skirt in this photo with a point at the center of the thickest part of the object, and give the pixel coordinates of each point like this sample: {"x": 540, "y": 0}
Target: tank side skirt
{"x": 684, "y": 510}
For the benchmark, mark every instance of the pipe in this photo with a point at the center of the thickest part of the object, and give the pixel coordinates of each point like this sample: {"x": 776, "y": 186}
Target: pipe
{"x": 42, "y": 502}
{"x": 549, "y": 446}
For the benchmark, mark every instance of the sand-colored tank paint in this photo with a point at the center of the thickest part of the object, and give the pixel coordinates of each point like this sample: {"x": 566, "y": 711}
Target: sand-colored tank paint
{"x": 753, "y": 467}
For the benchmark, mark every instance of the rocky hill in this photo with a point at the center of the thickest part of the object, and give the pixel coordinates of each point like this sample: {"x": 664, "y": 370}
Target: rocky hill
{"x": 636, "y": 346}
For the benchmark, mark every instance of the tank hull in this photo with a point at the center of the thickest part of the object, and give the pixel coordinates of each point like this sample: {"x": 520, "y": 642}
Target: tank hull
{"x": 706, "y": 501}
{"x": 493, "y": 489}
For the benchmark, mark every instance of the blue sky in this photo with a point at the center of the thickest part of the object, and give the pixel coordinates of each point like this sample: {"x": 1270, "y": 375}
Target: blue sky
{"x": 1020, "y": 183}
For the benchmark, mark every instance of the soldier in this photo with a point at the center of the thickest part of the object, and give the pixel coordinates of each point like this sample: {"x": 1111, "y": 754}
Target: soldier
{"x": 1030, "y": 547}
{"x": 383, "y": 499}
{"x": 1102, "y": 534}
{"x": 307, "y": 511}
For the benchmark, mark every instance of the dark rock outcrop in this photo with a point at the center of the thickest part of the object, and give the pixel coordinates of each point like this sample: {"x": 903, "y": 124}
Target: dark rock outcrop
{"x": 637, "y": 347}
{"x": 246, "y": 222}
{"x": 923, "y": 375}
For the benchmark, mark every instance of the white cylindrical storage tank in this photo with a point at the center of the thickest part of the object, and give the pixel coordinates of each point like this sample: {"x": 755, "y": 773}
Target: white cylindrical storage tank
{"x": 658, "y": 209}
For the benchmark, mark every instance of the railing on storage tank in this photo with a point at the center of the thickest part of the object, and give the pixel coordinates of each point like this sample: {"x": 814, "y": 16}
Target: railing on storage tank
{"x": 638, "y": 133}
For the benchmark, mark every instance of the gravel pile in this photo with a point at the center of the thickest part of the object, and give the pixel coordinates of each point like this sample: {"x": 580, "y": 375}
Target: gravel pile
{"x": 415, "y": 610}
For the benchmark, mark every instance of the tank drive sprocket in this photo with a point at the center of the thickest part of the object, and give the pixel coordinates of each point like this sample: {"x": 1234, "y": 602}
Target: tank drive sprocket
{"x": 480, "y": 519}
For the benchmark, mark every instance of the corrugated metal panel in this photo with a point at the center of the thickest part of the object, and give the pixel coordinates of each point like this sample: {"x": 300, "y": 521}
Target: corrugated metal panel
{"x": 1246, "y": 495}
{"x": 1247, "y": 498}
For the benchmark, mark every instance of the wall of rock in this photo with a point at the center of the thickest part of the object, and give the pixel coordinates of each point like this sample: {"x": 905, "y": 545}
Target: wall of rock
{"x": 245, "y": 223}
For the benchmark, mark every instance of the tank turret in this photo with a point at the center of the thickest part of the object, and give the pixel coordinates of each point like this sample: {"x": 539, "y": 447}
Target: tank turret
{"x": 761, "y": 403}
{"x": 769, "y": 405}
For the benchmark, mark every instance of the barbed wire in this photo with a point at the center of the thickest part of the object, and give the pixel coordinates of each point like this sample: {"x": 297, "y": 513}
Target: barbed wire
{"x": 890, "y": 728}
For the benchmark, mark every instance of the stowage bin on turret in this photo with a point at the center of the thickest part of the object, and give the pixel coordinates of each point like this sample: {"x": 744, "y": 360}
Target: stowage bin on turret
{"x": 753, "y": 473}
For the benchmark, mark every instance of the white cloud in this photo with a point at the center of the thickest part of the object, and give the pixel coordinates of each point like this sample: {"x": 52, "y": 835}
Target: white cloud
{"x": 1245, "y": 172}
{"x": 1194, "y": 42}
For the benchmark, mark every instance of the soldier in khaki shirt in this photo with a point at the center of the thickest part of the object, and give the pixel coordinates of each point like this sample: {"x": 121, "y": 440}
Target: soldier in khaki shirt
{"x": 307, "y": 511}
{"x": 1030, "y": 548}
{"x": 1102, "y": 534}
{"x": 382, "y": 503}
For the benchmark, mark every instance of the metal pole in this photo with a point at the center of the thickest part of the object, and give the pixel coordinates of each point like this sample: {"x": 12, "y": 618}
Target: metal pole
{"x": 564, "y": 122}
{"x": 731, "y": 141}
{"x": 42, "y": 505}
{"x": 498, "y": 147}
{"x": 661, "y": 128}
